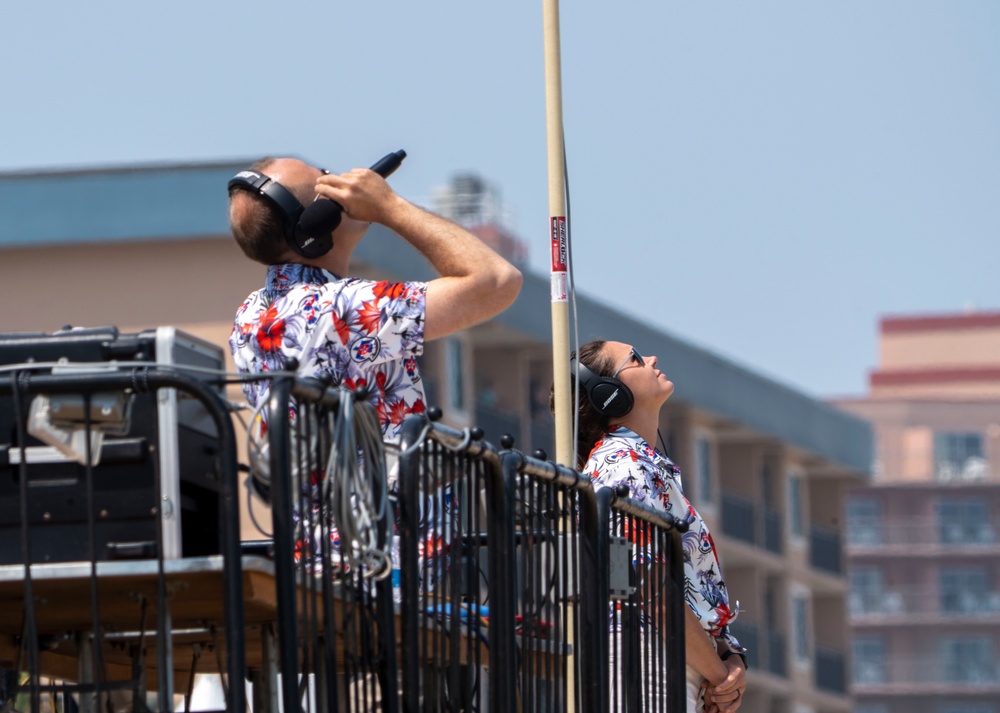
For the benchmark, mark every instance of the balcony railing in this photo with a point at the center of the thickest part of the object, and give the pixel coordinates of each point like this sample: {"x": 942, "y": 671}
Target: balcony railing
{"x": 739, "y": 519}
{"x": 824, "y": 550}
{"x": 969, "y": 673}
{"x": 906, "y": 601}
{"x": 831, "y": 674}
{"x": 874, "y": 532}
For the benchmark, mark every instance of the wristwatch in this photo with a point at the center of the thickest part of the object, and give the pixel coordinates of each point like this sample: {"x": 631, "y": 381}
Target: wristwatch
{"x": 726, "y": 654}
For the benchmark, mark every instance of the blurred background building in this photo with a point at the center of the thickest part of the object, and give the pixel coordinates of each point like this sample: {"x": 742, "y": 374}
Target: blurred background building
{"x": 922, "y": 537}
{"x": 767, "y": 466}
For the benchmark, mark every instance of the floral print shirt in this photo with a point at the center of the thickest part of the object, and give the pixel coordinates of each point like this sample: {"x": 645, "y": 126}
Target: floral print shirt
{"x": 362, "y": 332}
{"x": 654, "y": 480}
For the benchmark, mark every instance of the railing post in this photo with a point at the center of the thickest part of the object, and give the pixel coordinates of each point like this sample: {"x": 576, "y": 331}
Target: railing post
{"x": 595, "y": 528}
{"x": 502, "y": 565}
{"x": 279, "y": 442}
{"x": 409, "y": 534}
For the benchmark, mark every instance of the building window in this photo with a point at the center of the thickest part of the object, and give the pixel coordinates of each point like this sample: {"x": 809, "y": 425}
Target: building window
{"x": 456, "y": 374}
{"x": 871, "y": 708}
{"x": 964, "y": 522}
{"x": 796, "y": 525}
{"x": 959, "y": 456}
{"x": 864, "y": 521}
{"x": 967, "y": 708}
{"x": 800, "y": 623}
{"x": 869, "y": 659}
{"x": 964, "y": 590}
{"x": 703, "y": 460}
{"x": 867, "y": 590}
{"x": 968, "y": 659}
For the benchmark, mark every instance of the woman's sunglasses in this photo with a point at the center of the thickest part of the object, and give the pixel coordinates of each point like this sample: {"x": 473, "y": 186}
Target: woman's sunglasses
{"x": 634, "y": 355}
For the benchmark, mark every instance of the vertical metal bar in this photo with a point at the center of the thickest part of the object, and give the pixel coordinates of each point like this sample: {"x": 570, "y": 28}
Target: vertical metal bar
{"x": 409, "y": 519}
{"x": 279, "y": 439}
{"x": 595, "y": 509}
{"x": 502, "y": 563}
{"x": 676, "y": 683}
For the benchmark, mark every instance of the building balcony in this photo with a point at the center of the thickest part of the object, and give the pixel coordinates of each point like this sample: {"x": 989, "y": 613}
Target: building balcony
{"x": 904, "y": 605}
{"x": 901, "y": 534}
{"x": 739, "y": 518}
{"x": 925, "y": 674}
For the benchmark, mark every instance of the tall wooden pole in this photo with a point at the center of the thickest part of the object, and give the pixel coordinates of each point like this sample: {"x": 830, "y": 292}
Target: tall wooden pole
{"x": 558, "y": 240}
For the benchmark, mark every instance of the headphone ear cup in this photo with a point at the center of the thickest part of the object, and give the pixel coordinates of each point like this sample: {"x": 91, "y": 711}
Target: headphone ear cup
{"x": 611, "y": 398}
{"x": 308, "y": 246}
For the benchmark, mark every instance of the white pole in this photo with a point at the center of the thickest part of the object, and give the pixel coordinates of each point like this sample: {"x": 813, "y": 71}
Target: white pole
{"x": 558, "y": 246}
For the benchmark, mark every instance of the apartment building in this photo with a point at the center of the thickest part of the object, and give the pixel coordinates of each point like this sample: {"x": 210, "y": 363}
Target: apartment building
{"x": 767, "y": 466}
{"x": 922, "y": 538}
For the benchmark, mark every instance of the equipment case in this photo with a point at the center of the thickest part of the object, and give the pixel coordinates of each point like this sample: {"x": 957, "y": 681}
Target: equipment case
{"x": 162, "y": 473}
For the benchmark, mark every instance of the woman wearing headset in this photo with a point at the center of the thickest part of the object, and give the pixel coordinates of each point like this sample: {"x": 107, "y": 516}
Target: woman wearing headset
{"x": 621, "y": 394}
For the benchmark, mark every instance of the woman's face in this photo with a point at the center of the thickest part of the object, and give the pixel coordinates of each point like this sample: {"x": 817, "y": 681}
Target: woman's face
{"x": 650, "y": 388}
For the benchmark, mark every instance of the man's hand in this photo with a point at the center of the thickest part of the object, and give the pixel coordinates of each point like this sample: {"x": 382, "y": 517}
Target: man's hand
{"x": 727, "y": 696}
{"x": 363, "y": 194}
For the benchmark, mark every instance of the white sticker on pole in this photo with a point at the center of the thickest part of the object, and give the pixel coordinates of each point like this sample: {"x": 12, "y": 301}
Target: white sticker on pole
{"x": 559, "y": 280}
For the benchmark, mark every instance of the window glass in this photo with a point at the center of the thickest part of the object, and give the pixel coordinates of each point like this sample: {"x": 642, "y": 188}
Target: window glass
{"x": 795, "y": 524}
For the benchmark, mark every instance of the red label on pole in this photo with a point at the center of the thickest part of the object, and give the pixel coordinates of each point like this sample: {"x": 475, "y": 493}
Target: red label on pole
{"x": 559, "y": 244}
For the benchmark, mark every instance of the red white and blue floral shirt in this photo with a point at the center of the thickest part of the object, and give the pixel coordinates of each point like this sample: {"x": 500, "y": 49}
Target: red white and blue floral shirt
{"x": 622, "y": 457}
{"x": 363, "y": 333}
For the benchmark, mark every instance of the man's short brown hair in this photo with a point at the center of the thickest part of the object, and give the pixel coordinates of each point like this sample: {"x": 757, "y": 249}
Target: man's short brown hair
{"x": 257, "y": 225}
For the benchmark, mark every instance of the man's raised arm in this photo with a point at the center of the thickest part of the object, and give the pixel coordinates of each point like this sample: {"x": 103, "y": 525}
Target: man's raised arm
{"x": 475, "y": 283}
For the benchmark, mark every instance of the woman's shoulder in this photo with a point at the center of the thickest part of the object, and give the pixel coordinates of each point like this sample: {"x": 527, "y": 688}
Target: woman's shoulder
{"x": 617, "y": 449}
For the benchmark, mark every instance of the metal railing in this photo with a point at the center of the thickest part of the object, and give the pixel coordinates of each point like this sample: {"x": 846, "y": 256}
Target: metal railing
{"x": 877, "y": 532}
{"x": 119, "y": 598}
{"x": 647, "y": 612}
{"x": 335, "y": 622}
{"x": 504, "y": 598}
{"x": 530, "y": 547}
{"x": 902, "y": 601}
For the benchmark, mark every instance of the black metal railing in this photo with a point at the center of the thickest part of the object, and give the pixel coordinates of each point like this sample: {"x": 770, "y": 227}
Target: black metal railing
{"x": 646, "y": 651}
{"x": 115, "y": 584}
{"x": 332, "y": 554}
{"x": 503, "y": 599}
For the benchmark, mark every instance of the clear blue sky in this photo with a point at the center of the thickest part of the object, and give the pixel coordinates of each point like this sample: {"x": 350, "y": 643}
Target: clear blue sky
{"x": 763, "y": 179}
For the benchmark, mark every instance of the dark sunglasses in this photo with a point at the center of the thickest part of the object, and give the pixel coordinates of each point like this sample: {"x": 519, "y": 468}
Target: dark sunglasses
{"x": 634, "y": 355}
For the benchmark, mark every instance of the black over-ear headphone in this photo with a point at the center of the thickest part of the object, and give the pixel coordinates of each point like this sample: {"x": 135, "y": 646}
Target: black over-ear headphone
{"x": 609, "y": 396}
{"x": 309, "y": 238}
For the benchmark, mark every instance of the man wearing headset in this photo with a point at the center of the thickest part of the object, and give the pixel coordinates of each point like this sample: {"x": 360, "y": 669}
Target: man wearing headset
{"x": 361, "y": 332}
